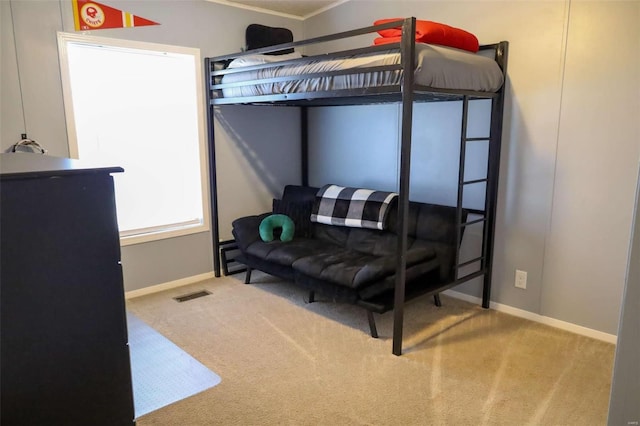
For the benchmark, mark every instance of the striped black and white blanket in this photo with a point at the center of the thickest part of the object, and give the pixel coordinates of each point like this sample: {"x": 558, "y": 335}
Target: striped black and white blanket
{"x": 354, "y": 207}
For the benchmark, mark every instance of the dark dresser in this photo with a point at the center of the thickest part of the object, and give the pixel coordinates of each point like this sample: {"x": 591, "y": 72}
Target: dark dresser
{"x": 64, "y": 349}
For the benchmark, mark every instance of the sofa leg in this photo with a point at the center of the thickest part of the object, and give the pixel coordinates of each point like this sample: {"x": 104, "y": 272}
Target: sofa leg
{"x": 372, "y": 325}
{"x": 312, "y": 296}
{"x": 247, "y": 278}
{"x": 436, "y": 300}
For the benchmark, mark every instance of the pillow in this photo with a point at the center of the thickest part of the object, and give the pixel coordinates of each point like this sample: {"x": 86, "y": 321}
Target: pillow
{"x": 259, "y": 59}
{"x": 353, "y": 207}
{"x": 434, "y": 33}
{"x": 273, "y": 221}
{"x": 299, "y": 212}
{"x": 258, "y": 36}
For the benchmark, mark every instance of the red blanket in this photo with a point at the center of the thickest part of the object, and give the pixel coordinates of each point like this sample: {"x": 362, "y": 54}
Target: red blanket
{"x": 430, "y": 32}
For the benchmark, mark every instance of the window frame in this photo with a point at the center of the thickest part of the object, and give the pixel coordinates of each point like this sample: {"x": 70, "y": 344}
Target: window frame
{"x": 151, "y": 234}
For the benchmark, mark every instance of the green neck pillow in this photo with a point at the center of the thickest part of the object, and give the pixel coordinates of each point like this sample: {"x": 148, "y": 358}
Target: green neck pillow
{"x": 273, "y": 221}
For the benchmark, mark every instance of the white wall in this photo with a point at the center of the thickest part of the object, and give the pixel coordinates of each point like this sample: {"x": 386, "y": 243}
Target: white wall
{"x": 31, "y": 82}
{"x": 596, "y": 166}
{"x": 570, "y": 144}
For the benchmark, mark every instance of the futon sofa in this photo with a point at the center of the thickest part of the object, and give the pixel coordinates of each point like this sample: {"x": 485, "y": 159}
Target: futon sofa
{"x": 352, "y": 264}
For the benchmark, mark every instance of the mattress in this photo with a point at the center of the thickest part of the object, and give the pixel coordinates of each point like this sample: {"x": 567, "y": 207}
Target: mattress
{"x": 436, "y": 66}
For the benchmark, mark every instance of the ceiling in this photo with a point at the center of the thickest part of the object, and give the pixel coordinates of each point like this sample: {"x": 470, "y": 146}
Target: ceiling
{"x": 297, "y": 8}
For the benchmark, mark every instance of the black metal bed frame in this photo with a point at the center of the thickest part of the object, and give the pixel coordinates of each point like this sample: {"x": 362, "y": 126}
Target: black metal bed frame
{"x": 405, "y": 93}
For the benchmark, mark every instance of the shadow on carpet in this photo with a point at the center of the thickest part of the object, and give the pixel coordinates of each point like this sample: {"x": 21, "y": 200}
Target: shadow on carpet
{"x": 161, "y": 372}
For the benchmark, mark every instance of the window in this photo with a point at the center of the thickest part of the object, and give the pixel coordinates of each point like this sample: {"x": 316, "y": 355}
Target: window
{"x": 139, "y": 106}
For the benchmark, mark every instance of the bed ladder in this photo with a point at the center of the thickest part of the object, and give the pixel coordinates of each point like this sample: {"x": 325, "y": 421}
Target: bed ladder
{"x": 486, "y": 213}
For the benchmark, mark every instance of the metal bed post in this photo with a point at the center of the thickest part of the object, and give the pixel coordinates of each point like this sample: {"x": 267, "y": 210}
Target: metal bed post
{"x": 408, "y": 48}
{"x": 497, "y": 108}
{"x": 304, "y": 145}
{"x": 213, "y": 188}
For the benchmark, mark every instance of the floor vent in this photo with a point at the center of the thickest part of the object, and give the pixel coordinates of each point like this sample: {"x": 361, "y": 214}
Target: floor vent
{"x": 192, "y": 296}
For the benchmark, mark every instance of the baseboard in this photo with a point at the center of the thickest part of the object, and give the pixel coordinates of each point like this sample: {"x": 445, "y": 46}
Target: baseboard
{"x": 563, "y": 325}
{"x": 169, "y": 285}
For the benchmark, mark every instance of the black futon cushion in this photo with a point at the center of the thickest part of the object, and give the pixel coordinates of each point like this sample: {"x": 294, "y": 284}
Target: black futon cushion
{"x": 355, "y": 269}
{"x": 285, "y": 253}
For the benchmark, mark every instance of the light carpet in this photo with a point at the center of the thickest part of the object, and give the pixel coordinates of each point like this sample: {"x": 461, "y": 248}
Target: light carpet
{"x": 287, "y": 362}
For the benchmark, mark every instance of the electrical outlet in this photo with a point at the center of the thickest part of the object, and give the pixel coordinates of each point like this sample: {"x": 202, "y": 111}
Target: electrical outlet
{"x": 521, "y": 279}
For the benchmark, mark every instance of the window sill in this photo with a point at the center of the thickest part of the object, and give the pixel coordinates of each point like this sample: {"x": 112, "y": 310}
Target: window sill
{"x": 164, "y": 234}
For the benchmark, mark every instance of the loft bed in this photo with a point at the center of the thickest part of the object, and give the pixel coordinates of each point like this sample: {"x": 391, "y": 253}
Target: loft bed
{"x": 389, "y": 73}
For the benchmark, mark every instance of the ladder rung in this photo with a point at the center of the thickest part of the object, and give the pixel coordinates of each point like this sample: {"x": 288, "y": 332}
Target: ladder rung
{"x": 471, "y": 222}
{"x": 469, "y": 262}
{"x": 476, "y": 139}
{"x": 476, "y": 211}
{"x": 469, "y": 182}
{"x": 471, "y": 275}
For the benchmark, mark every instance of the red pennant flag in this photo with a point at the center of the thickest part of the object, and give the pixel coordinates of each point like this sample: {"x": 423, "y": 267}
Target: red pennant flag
{"x": 91, "y": 15}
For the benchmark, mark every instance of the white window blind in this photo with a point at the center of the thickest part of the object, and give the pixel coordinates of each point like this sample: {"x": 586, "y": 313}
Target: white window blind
{"x": 139, "y": 106}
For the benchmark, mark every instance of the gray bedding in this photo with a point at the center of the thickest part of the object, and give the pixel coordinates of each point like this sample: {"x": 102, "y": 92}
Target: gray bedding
{"x": 436, "y": 66}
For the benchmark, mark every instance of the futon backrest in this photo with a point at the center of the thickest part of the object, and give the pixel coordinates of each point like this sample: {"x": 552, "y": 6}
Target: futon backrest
{"x": 299, "y": 194}
{"x": 430, "y": 222}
